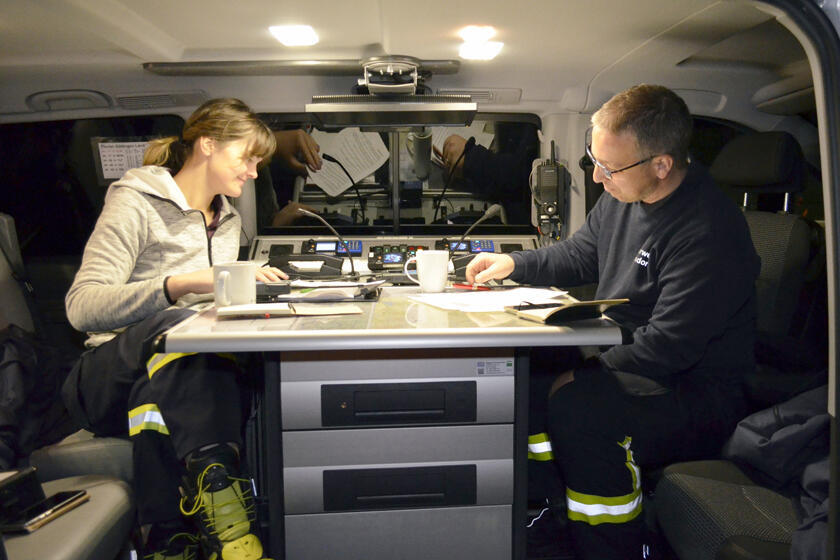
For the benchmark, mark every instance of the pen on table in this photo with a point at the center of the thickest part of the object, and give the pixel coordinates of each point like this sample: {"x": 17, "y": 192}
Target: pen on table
{"x": 474, "y": 287}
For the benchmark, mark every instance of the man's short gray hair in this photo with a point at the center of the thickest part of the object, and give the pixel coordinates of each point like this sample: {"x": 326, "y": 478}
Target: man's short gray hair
{"x": 655, "y": 115}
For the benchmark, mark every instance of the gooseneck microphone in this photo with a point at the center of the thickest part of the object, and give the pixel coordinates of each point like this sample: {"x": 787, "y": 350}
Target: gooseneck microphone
{"x": 489, "y": 213}
{"x": 338, "y": 235}
{"x": 328, "y": 157}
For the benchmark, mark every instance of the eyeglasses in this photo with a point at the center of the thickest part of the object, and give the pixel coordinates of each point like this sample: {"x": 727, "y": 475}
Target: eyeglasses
{"x": 608, "y": 173}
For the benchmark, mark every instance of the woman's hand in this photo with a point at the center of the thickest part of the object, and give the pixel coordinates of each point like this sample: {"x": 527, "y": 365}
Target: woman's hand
{"x": 201, "y": 281}
{"x": 271, "y": 274}
{"x": 197, "y": 282}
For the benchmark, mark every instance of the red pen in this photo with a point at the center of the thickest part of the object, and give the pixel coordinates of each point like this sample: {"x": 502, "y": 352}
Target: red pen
{"x": 474, "y": 287}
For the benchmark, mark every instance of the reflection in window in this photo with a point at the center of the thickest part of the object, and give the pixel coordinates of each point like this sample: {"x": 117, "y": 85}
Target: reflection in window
{"x": 493, "y": 169}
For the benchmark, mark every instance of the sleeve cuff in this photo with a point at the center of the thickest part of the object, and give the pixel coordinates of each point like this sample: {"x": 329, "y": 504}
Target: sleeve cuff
{"x": 166, "y": 292}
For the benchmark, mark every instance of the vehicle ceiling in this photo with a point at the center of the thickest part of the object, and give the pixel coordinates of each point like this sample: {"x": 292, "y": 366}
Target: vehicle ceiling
{"x": 725, "y": 57}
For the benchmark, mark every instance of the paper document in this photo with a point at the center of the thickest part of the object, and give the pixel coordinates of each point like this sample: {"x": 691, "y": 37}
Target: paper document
{"x": 492, "y": 301}
{"x": 441, "y": 133}
{"x": 361, "y": 153}
{"x": 119, "y": 157}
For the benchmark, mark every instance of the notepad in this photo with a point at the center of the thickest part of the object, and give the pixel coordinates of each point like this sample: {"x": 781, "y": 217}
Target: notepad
{"x": 571, "y": 310}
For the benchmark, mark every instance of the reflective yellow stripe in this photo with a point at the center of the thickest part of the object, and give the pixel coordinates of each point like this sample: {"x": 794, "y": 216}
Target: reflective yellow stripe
{"x": 146, "y": 417}
{"x": 595, "y": 510}
{"x": 539, "y": 447}
{"x": 157, "y": 361}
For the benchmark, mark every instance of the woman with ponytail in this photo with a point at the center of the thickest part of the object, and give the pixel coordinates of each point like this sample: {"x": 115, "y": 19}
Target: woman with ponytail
{"x": 148, "y": 265}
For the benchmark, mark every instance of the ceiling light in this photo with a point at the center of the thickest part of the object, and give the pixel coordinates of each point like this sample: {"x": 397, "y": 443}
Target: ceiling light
{"x": 294, "y": 35}
{"x": 480, "y": 51}
{"x": 477, "y": 33}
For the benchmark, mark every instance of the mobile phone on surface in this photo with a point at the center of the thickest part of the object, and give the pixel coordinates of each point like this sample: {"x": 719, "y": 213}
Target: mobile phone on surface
{"x": 45, "y": 511}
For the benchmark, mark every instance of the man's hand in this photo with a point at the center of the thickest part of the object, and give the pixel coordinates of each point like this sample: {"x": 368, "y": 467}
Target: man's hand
{"x": 288, "y": 214}
{"x": 453, "y": 147}
{"x": 298, "y": 151}
{"x": 489, "y": 266}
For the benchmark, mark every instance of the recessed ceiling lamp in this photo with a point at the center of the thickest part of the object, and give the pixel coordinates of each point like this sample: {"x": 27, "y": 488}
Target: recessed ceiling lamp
{"x": 294, "y": 35}
{"x": 477, "y": 44}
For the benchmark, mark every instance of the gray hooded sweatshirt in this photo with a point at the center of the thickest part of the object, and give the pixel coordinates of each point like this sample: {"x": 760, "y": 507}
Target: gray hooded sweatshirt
{"x": 146, "y": 232}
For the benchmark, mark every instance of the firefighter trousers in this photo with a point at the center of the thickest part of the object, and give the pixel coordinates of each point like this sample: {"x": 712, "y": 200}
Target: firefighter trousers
{"x": 169, "y": 404}
{"x": 605, "y": 427}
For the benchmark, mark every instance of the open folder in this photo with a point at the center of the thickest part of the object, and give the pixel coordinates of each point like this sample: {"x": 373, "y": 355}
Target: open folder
{"x": 561, "y": 312}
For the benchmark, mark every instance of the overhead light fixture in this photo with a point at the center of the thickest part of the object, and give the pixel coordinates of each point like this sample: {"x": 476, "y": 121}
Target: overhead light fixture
{"x": 477, "y": 33}
{"x": 294, "y": 35}
{"x": 477, "y": 44}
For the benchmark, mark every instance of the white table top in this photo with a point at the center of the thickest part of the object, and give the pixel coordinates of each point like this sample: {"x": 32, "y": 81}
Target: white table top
{"x": 395, "y": 321}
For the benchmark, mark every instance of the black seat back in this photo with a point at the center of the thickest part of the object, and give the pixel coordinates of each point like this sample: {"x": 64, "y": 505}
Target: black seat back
{"x": 790, "y": 345}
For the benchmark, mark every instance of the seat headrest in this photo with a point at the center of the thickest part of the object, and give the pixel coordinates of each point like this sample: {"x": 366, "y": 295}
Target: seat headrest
{"x": 761, "y": 162}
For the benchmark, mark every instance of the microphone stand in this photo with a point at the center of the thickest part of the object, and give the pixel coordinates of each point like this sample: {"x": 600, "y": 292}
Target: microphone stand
{"x": 489, "y": 213}
{"x": 338, "y": 235}
{"x": 328, "y": 157}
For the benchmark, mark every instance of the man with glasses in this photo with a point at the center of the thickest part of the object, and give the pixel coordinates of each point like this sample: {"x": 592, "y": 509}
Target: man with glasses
{"x": 664, "y": 236}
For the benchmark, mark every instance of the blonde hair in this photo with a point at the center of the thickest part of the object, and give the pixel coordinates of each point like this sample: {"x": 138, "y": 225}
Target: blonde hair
{"x": 223, "y": 120}
{"x": 655, "y": 115}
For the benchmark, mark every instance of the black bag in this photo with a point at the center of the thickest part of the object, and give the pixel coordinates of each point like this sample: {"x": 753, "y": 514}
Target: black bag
{"x": 32, "y": 413}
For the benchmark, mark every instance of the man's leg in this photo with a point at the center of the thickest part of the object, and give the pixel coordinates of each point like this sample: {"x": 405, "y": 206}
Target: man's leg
{"x": 601, "y": 434}
{"x": 544, "y": 480}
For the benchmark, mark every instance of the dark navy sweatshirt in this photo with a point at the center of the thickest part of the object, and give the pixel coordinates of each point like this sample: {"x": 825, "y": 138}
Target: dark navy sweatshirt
{"x": 688, "y": 266}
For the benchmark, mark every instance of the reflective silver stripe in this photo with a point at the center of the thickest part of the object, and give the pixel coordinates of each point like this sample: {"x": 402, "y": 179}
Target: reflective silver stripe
{"x": 620, "y": 512}
{"x": 146, "y": 417}
{"x": 544, "y": 447}
{"x": 539, "y": 447}
{"x": 594, "y": 510}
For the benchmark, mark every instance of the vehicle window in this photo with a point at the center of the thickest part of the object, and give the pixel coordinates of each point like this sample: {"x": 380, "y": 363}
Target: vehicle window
{"x": 51, "y": 186}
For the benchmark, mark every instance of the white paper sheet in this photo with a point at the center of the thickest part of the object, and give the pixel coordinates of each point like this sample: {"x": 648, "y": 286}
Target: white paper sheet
{"x": 492, "y": 301}
{"x": 361, "y": 153}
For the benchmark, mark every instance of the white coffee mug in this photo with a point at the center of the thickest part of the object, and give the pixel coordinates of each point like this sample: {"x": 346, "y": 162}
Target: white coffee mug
{"x": 235, "y": 283}
{"x": 432, "y": 270}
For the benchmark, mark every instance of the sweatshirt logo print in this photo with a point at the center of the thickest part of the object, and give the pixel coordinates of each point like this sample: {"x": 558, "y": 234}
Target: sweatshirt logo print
{"x": 642, "y": 258}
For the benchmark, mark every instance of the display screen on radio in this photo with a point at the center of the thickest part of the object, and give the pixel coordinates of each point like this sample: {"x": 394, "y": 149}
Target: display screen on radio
{"x": 325, "y": 247}
{"x": 392, "y": 258}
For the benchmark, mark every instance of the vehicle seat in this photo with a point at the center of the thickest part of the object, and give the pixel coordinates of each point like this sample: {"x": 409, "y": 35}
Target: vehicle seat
{"x": 791, "y": 345}
{"x": 103, "y": 466}
{"x": 712, "y": 509}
